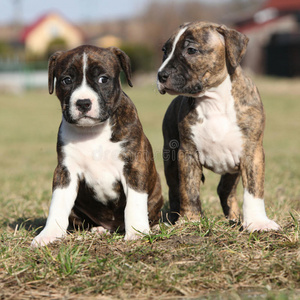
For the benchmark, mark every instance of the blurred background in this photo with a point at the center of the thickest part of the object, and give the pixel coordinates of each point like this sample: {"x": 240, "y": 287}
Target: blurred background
{"x": 31, "y": 30}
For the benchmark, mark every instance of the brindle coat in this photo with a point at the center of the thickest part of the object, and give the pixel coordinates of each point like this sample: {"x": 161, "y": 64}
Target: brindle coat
{"x": 139, "y": 168}
{"x": 189, "y": 75}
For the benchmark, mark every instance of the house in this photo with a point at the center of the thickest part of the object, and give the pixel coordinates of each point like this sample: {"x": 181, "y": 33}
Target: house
{"x": 274, "y": 32}
{"x": 50, "y": 33}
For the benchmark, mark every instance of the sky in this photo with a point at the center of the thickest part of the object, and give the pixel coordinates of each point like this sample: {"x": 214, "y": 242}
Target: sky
{"x": 27, "y": 11}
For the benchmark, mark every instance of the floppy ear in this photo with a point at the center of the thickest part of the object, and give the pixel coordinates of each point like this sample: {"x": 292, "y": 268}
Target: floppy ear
{"x": 235, "y": 45}
{"x": 124, "y": 62}
{"x": 51, "y": 70}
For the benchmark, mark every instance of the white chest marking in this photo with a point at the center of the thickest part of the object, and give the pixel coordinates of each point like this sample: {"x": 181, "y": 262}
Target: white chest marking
{"x": 180, "y": 33}
{"x": 91, "y": 155}
{"x": 216, "y": 134}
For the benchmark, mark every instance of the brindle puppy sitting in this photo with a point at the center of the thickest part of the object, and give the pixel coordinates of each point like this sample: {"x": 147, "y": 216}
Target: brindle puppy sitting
{"x": 105, "y": 175}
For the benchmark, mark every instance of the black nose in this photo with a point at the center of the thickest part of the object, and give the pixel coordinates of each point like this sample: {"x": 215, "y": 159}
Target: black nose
{"x": 84, "y": 105}
{"x": 163, "y": 76}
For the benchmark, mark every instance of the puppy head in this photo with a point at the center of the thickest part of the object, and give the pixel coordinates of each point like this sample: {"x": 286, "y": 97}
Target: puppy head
{"x": 87, "y": 82}
{"x": 199, "y": 56}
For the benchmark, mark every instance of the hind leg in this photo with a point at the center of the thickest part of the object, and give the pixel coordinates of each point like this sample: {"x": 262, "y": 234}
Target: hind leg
{"x": 227, "y": 194}
{"x": 253, "y": 172}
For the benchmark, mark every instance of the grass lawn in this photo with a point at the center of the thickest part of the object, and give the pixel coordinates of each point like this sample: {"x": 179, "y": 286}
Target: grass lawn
{"x": 206, "y": 259}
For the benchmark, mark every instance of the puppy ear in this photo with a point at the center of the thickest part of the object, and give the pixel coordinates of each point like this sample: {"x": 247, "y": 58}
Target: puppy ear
{"x": 185, "y": 24}
{"x": 235, "y": 46}
{"x": 51, "y": 70}
{"x": 124, "y": 62}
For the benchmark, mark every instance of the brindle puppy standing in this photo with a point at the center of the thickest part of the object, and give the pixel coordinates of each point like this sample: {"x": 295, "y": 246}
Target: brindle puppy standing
{"x": 217, "y": 122}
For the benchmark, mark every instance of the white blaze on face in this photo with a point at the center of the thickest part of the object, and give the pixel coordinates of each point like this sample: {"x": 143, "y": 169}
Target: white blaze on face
{"x": 179, "y": 34}
{"x": 84, "y": 91}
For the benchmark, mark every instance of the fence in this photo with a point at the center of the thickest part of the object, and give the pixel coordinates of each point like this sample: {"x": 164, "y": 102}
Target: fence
{"x": 18, "y": 76}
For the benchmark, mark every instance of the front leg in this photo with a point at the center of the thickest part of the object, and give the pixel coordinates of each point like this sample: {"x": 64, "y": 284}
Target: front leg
{"x": 136, "y": 214}
{"x": 253, "y": 171}
{"x": 63, "y": 198}
{"x": 190, "y": 175}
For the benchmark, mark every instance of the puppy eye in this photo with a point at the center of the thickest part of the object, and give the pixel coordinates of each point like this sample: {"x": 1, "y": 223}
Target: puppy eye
{"x": 67, "y": 80}
{"x": 164, "y": 50}
{"x": 191, "y": 50}
{"x": 103, "y": 79}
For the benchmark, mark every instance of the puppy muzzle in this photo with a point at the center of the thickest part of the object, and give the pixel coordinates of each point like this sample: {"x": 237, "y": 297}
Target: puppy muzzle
{"x": 176, "y": 84}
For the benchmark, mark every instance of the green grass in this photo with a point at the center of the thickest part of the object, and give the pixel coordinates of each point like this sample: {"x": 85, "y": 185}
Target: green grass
{"x": 206, "y": 259}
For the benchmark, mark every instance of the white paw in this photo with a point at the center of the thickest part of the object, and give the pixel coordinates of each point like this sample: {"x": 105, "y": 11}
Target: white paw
{"x": 100, "y": 230}
{"x": 132, "y": 236}
{"x": 261, "y": 225}
{"x": 44, "y": 239}
{"x": 135, "y": 235}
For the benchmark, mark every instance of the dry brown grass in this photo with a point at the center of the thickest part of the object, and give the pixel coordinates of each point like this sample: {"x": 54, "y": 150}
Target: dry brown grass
{"x": 186, "y": 260}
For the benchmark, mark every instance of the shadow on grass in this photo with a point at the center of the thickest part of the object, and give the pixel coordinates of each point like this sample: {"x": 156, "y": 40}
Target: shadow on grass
{"x": 35, "y": 225}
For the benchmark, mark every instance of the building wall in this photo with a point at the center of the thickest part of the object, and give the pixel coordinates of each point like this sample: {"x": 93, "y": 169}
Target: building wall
{"x": 259, "y": 38}
{"x": 52, "y": 27}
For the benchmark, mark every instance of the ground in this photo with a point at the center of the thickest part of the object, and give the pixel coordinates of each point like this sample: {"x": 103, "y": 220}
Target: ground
{"x": 207, "y": 259}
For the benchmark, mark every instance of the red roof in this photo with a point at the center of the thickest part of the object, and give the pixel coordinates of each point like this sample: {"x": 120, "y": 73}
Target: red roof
{"x": 283, "y": 4}
{"x": 39, "y": 21}
{"x": 252, "y": 25}
{"x": 284, "y": 8}
{"x": 31, "y": 27}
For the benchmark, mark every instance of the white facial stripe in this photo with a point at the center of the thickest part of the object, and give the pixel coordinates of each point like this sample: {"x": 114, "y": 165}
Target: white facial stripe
{"x": 84, "y": 91}
{"x": 179, "y": 34}
{"x": 84, "y": 63}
